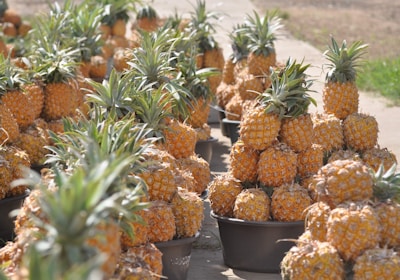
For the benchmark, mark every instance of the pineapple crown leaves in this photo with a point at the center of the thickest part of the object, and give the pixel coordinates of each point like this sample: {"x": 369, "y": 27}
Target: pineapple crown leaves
{"x": 288, "y": 95}
{"x": 151, "y": 61}
{"x": 146, "y": 11}
{"x": 201, "y": 21}
{"x": 344, "y": 60}
{"x": 11, "y": 77}
{"x": 70, "y": 225}
{"x": 153, "y": 107}
{"x": 85, "y": 25}
{"x": 87, "y": 142}
{"x": 112, "y": 96}
{"x": 261, "y": 32}
{"x": 239, "y": 43}
{"x": 386, "y": 183}
{"x": 115, "y": 10}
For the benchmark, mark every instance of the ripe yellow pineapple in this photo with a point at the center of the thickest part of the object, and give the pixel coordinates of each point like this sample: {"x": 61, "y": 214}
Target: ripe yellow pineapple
{"x": 376, "y": 156}
{"x": 16, "y": 160}
{"x": 261, "y": 33}
{"x": 344, "y": 154}
{"x": 340, "y": 181}
{"x": 9, "y": 129}
{"x": 312, "y": 260}
{"x": 200, "y": 170}
{"x": 161, "y": 221}
{"x": 252, "y": 204}
{"x": 386, "y": 196}
{"x": 310, "y": 161}
{"x": 188, "y": 209}
{"x": 159, "y": 178}
{"x": 328, "y": 132}
{"x": 360, "y": 131}
{"x": 288, "y": 203}
{"x": 353, "y": 228}
{"x": 340, "y": 94}
{"x": 249, "y": 86}
{"x": 277, "y": 165}
{"x": 222, "y": 193}
{"x": 377, "y": 263}
{"x": 36, "y": 97}
{"x": 316, "y": 220}
{"x": 180, "y": 139}
{"x": 243, "y": 162}
{"x": 140, "y": 232}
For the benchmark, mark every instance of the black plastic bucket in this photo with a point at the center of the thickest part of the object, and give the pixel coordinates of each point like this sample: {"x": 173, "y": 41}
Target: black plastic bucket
{"x": 176, "y": 257}
{"x": 253, "y": 246}
{"x": 6, "y": 221}
{"x": 204, "y": 148}
{"x": 233, "y": 129}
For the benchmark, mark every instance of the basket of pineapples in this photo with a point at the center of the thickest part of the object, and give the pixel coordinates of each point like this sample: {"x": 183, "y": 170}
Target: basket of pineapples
{"x": 351, "y": 229}
{"x": 260, "y": 199}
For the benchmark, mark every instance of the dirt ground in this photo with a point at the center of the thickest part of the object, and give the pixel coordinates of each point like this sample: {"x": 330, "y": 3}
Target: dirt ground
{"x": 374, "y": 22}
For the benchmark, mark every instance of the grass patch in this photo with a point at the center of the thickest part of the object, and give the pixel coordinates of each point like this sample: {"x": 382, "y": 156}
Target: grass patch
{"x": 381, "y": 76}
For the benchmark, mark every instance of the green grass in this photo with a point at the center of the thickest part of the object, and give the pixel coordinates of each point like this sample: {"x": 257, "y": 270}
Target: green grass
{"x": 382, "y": 76}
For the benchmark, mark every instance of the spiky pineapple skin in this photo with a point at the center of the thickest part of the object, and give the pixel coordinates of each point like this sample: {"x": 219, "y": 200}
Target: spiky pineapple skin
{"x": 340, "y": 99}
{"x": 222, "y": 193}
{"x": 328, "y": 132}
{"x": 57, "y": 100}
{"x": 360, "y": 131}
{"x": 340, "y": 181}
{"x": 352, "y": 229}
{"x": 288, "y": 203}
{"x": 277, "y": 165}
{"x": 252, "y": 204}
{"x": 297, "y": 133}
{"x": 243, "y": 162}
{"x": 313, "y": 260}
{"x": 259, "y": 129}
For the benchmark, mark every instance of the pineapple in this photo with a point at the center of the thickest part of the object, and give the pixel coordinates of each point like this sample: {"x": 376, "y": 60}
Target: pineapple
{"x": 249, "y": 86}
{"x": 277, "y": 165}
{"x": 340, "y": 94}
{"x": 312, "y": 260}
{"x": 12, "y": 96}
{"x": 261, "y": 34}
{"x": 288, "y": 203}
{"x": 297, "y": 126}
{"x": 147, "y": 18}
{"x": 159, "y": 178}
{"x": 35, "y": 93}
{"x": 17, "y": 160}
{"x": 9, "y": 129}
{"x": 140, "y": 262}
{"x": 222, "y": 193}
{"x": 316, "y": 220}
{"x": 180, "y": 139}
{"x": 287, "y": 98}
{"x": 360, "y": 131}
{"x": 376, "y": 156}
{"x": 342, "y": 154}
{"x": 328, "y": 132}
{"x": 252, "y": 204}
{"x": 33, "y": 141}
{"x": 353, "y": 228}
{"x": 200, "y": 170}
{"x": 377, "y": 263}
{"x": 140, "y": 232}
{"x": 188, "y": 209}
{"x": 386, "y": 194}
{"x": 340, "y": 181}
{"x": 243, "y": 162}
{"x": 310, "y": 161}
{"x": 161, "y": 221}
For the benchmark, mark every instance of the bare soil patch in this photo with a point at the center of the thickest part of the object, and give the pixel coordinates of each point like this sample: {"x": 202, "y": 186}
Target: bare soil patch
{"x": 374, "y": 22}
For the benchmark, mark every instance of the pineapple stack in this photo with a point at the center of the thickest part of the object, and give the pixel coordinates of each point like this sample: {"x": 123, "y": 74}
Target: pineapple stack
{"x": 355, "y": 191}
{"x": 274, "y": 149}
